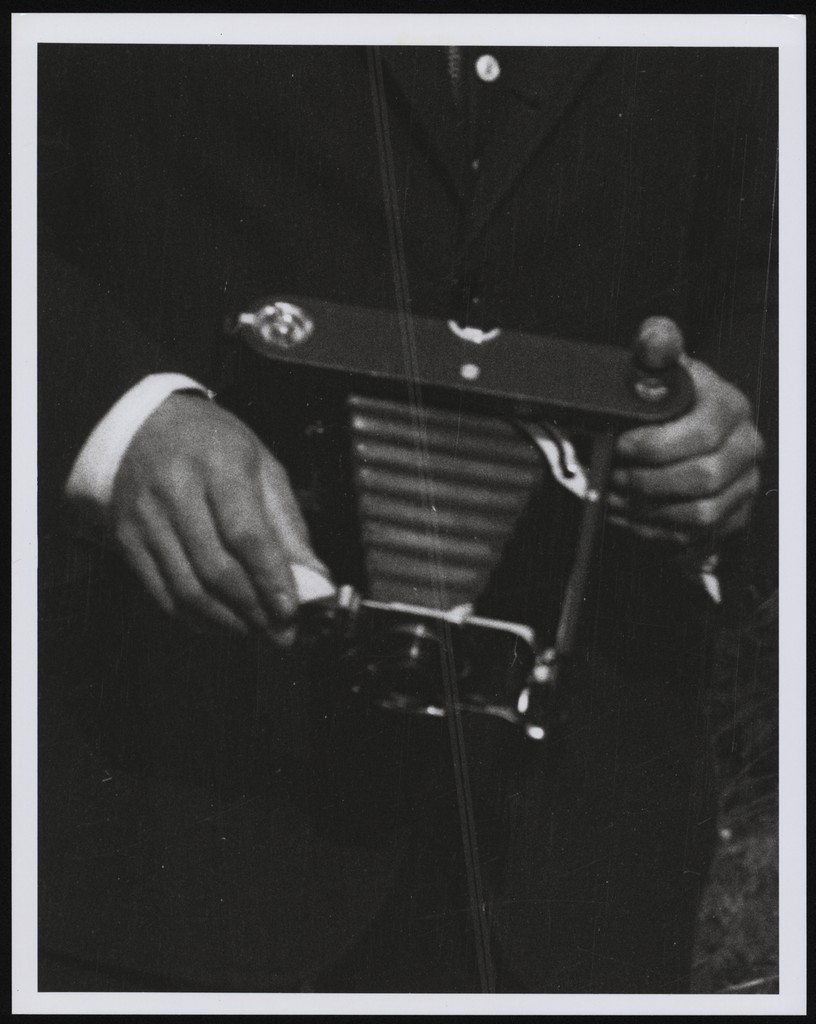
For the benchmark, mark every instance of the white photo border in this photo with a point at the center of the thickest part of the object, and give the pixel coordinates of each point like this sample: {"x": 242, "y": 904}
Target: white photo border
{"x": 787, "y": 33}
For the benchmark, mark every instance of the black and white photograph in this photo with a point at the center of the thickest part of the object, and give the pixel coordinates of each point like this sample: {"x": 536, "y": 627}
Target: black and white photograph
{"x": 408, "y": 433}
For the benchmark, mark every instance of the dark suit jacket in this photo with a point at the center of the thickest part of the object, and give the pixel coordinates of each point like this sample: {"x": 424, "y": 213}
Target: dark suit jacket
{"x": 188, "y": 837}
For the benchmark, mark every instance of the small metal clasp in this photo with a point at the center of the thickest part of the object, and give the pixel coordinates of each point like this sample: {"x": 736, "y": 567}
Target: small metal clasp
{"x": 559, "y": 452}
{"x": 280, "y": 324}
{"x": 473, "y": 334}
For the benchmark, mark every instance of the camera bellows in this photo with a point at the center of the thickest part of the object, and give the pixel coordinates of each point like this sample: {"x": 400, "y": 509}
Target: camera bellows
{"x": 438, "y": 495}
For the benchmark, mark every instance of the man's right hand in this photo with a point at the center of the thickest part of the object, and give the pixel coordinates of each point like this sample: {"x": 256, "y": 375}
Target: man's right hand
{"x": 207, "y": 520}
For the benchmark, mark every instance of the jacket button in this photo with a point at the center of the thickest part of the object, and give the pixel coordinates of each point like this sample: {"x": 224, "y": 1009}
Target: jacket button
{"x": 487, "y": 68}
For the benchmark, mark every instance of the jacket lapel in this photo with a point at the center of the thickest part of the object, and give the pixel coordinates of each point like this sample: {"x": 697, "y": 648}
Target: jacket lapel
{"x": 539, "y": 85}
{"x": 421, "y": 76}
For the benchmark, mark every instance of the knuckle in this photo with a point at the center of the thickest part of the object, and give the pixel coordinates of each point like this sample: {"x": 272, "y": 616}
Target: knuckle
{"x": 224, "y": 576}
{"x": 709, "y": 436}
{"x": 709, "y": 475}
{"x": 739, "y": 402}
{"x": 243, "y": 535}
{"x": 705, "y": 513}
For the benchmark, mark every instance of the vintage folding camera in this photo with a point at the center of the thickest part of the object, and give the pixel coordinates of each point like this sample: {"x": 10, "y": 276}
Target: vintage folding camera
{"x": 453, "y": 481}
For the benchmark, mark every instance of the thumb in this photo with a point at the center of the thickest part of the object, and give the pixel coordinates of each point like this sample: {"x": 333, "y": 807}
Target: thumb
{"x": 658, "y": 344}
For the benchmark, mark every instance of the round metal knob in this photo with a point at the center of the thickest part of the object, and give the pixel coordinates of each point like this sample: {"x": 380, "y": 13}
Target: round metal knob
{"x": 658, "y": 347}
{"x": 280, "y": 324}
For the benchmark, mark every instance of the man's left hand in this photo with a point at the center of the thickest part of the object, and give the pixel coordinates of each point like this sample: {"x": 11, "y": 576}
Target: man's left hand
{"x": 696, "y": 475}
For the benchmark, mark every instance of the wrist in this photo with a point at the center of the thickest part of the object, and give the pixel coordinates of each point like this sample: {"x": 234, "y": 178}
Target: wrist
{"x": 89, "y": 487}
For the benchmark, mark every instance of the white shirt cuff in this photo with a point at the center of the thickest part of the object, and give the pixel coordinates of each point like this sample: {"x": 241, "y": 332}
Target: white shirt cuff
{"x": 92, "y": 475}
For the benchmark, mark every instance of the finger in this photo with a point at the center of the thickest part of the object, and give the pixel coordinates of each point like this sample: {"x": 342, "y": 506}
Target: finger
{"x": 260, "y": 522}
{"x": 146, "y": 569}
{"x": 281, "y": 505}
{"x": 252, "y": 537}
{"x": 707, "y": 513}
{"x": 659, "y": 343}
{"x": 221, "y": 575}
{"x": 718, "y": 409}
{"x": 694, "y": 478}
{"x": 212, "y": 606}
{"x": 187, "y": 590}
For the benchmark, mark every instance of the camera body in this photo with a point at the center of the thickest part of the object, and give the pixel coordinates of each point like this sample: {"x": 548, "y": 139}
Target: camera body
{"x": 431, "y": 462}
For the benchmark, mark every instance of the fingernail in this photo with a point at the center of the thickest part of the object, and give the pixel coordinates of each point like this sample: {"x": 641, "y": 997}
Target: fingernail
{"x": 285, "y": 604}
{"x": 659, "y": 343}
{"x": 282, "y": 637}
